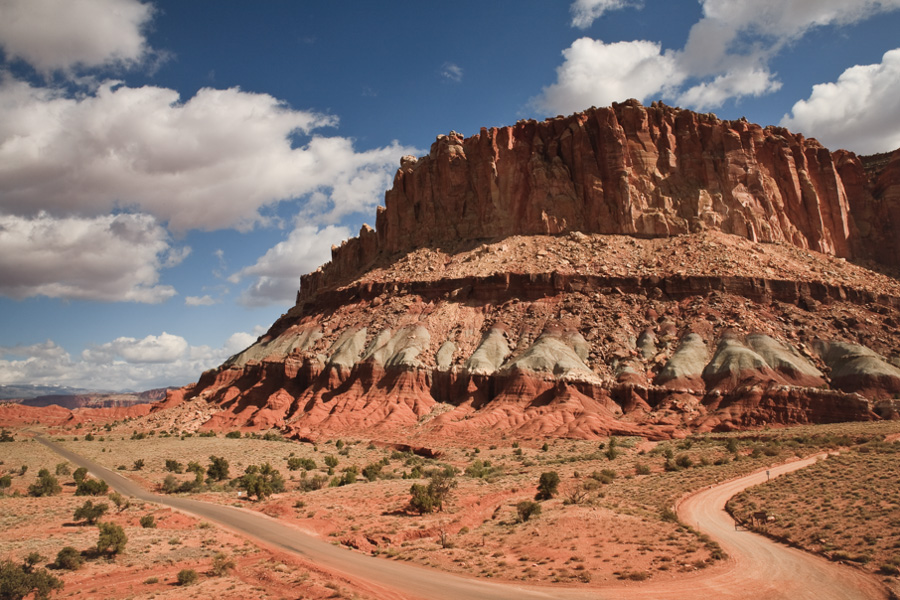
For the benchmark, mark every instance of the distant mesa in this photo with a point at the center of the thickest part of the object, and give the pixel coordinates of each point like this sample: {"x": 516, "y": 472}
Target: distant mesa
{"x": 625, "y": 270}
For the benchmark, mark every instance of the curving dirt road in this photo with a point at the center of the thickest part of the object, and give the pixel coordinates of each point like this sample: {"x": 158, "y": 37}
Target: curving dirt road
{"x": 758, "y": 569}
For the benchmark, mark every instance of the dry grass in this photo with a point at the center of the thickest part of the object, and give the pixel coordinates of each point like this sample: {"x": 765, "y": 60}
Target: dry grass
{"x": 611, "y": 520}
{"x": 844, "y": 507}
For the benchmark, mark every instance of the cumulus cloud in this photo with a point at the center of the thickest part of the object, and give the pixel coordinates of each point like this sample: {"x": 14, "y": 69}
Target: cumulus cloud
{"x": 858, "y": 111}
{"x": 205, "y": 300}
{"x": 726, "y": 55}
{"x": 585, "y": 12}
{"x": 452, "y": 72}
{"x": 107, "y": 258}
{"x": 276, "y": 275}
{"x": 60, "y": 35}
{"x": 596, "y": 73}
{"x": 144, "y": 148}
{"x": 124, "y": 363}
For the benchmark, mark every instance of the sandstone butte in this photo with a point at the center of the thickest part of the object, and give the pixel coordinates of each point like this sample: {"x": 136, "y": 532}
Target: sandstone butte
{"x": 625, "y": 270}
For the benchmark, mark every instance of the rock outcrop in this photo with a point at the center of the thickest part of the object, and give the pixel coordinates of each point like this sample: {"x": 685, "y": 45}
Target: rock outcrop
{"x": 633, "y": 270}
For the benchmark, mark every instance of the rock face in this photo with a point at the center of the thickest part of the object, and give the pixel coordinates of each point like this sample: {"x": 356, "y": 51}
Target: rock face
{"x": 624, "y": 270}
{"x": 630, "y": 169}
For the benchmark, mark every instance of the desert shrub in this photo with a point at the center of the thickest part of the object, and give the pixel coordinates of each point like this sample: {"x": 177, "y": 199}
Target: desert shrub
{"x": 90, "y": 512}
{"x": 527, "y": 509}
{"x": 46, "y": 485}
{"x": 119, "y": 500}
{"x": 138, "y": 464}
{"x": 89, "y": 437}
{"x": 69, "y": 558}
{"x": 481, "y": 469}
{"x": 310, "y": 484}
{"x": 79, "y": 474}
{"x": 612, "y": 449}
{"x": 18, "y": 581}
{"x": 173, "y": 466}
{"x": 331, "y": 461}
{"x": 148, "y": 522}
{"x": 221, "y": 564}
{"x": 431, "y": 497}
{"x": 605, "y": 476}
{"x": 169, "y": 484}
{"x": 91, "y": 487}
{"x": 372, "y": 471}
{"x": 642, "y": 469}
{"x": 5, "y": 482}
{"x": 261, "y": 481}
{"x": 667, "y": 514}
{"x": 548, "y": 485}
{"x": 234, "y": 435}
{"x": 684, "y": 461}
{"x": 62, "y": 469}
{"x": 112, "y": 538}
{"x": 186, "y": 576}
{"x": 890, "y": 570}
{"x": 218, "y": 468}
{"x": 7, "y": 436}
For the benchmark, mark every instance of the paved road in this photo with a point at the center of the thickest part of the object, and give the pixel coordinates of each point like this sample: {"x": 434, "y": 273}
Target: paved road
{"x": 758, "y": 570}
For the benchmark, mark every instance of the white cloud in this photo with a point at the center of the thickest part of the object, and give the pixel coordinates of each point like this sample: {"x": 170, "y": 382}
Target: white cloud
{"x": 595, "y": 73}
{"x": 106, "y": 258}
{"x": 144, "y": 148}
{"x": 452, "y": 72}
{"x": 59, "y": 35}
{"x": 585, "y": 12}
{"x": 124, "y": 363}
{"x": 164, "y": 348}
{"x": 733, "y": 84}
{"x": 205, "y": 300}
{"x": 860, "y": 111}
{"x": 277, "y": 273}
{"x": 726, "y": 55}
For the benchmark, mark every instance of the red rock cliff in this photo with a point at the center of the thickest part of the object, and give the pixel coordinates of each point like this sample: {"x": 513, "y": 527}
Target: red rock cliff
{"x": 629, "y": 169}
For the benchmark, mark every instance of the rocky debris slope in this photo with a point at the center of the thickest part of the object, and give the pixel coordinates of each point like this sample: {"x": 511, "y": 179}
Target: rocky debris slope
{"x": 626, "y": 270}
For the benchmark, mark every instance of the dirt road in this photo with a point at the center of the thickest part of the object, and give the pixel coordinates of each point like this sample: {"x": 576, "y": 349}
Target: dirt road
{"x": 757, "y": 570}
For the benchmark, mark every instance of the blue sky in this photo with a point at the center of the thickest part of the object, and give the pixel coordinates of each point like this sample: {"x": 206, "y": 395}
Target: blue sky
{"x": 169, "y": 169}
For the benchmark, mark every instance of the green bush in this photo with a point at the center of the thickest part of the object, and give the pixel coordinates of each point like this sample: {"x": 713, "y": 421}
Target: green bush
{"x": 187, "y": 576}
{"x": 91, "y": 487}
{"x": 112, "y": 539}
{"x": 548, "y": 485}
{"x": 527, "y": 509}
{"x": 173, "y": 466}
{"x": 69, "y": 558}
{"x": 431, "y": 497}
{"x": 148, "y": 522}
{"x": 221, "y": 564}
{"x": 218, "y": 468}
{"x": 138, "y": 464}
{"x": 261, "y": 481}
{"x": 5, "y": 482}
{"x": 18, "y": 581}
{"x": 79, "y": 474}
{"x": 62, "y": 469}
{"x": 46, "y": 485}
{"x": 235, "y": 435}
{"x": 90, "y": 512}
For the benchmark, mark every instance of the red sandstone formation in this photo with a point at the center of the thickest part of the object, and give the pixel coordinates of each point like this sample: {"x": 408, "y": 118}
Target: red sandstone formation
{"x": 624, "y": 270}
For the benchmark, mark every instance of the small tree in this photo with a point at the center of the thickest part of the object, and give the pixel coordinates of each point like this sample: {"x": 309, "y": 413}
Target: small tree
{"x": 548, "y": 485}
{"x": 527, "y": 509}
{"x": 90, "y": 512}
{"x": 218, "y": 468}
{"x": 148, "y": 522}
{"x": 69, "y": 558}
{"x": 112, "y": 539}
{"x": 91, "y": 487}
{"x": 46, "y": 485}
{"x": 431, "y": 497}
{"x": 173, "y": 466}
{"x": 261, "y": 481}
{"x": 18, "y": 581}
{"x": 79, "y": 474}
